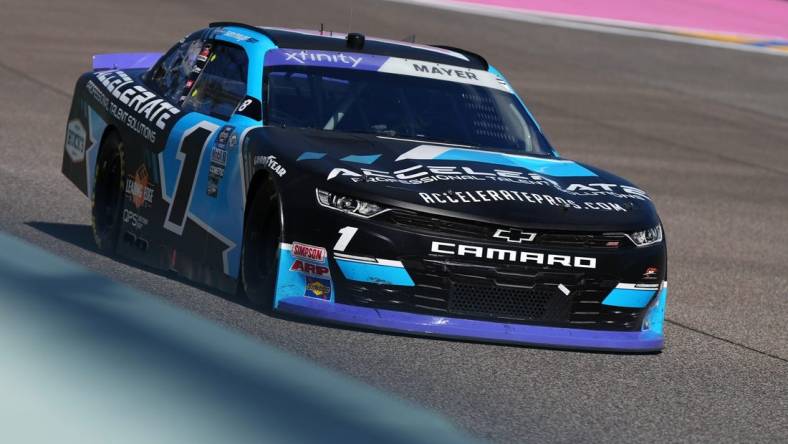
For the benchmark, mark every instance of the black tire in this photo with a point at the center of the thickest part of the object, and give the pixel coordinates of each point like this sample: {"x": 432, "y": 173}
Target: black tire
{"x": 260, "y": 250}
{"x": 108, "y": 193}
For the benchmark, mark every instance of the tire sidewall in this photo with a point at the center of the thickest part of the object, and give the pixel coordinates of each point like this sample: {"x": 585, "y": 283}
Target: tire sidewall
{"x": 262, "y": 235}
{"x": 107, "y": 221}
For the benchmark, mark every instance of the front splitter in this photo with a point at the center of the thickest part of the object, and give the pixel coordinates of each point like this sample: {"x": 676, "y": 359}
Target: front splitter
{"x": 469, "y": 329}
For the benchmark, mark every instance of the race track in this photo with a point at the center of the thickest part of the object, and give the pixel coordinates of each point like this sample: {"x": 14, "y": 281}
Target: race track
{"x": 704, "y": 130}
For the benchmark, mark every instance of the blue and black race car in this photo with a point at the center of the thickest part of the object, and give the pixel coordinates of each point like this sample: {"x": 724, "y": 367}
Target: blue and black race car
{"x": 363, "y": 181}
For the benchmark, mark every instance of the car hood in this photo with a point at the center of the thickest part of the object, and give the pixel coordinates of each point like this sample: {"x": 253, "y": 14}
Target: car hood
{"x": 459, "y": 181}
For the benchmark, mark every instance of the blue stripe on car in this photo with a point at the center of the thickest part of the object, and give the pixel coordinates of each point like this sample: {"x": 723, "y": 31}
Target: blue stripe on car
{"x": 366, "y": 160}
{"x": 375, "y": 273}
{"x": 631, "y": 298}
{"x": 548, "y": 167}
{"x": 310, "y": 155}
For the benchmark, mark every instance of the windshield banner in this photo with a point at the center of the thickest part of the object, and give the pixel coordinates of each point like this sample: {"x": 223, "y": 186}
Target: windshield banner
{"x": 391, "y": 65}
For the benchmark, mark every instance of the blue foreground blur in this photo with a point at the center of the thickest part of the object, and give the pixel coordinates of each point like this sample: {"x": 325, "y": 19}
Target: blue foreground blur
{"x": 87, "y": 360}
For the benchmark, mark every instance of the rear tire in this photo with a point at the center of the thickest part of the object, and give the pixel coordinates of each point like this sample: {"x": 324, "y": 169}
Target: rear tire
{"x": 260, "y": 250}
{"x": 108, "y": 192}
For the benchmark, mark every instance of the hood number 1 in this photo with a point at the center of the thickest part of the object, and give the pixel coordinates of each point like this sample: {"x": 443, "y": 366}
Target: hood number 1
{"x": 347, "y": 234}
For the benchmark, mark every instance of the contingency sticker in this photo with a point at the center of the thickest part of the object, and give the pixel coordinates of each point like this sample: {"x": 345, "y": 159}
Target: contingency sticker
{"x": 318, "y": 288}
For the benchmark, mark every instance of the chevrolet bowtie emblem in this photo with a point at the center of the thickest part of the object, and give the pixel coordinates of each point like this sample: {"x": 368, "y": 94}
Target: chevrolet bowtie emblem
{"x": 514, "y": 235}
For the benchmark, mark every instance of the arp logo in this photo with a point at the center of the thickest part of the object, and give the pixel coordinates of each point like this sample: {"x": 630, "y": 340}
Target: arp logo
{"x": 310, "y": 268}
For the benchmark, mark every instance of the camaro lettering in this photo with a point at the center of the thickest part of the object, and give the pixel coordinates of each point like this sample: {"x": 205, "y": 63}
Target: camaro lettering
{"x": 526, "y": 257}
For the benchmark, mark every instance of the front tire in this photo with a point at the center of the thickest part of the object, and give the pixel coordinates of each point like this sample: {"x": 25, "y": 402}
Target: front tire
{"x": 260, "y": 251}
{"x": 108, "y": 190}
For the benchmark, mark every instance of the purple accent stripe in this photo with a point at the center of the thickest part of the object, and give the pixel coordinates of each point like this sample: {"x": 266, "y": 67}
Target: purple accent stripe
{"x": 413, "y": 323}
{"x": 129, "y": 60}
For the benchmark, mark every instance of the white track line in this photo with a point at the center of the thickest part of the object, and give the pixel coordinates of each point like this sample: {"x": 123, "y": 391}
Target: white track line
{"x": 606, "y": 26}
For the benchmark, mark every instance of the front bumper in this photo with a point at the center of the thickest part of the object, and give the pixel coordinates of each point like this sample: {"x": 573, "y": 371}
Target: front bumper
{"x": 396, "y": 321}
{"x": 396, "y": 283}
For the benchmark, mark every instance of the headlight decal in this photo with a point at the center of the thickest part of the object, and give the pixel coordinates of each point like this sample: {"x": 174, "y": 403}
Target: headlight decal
{"x": 350, "y": 205}
{"x": 647, "y": 237}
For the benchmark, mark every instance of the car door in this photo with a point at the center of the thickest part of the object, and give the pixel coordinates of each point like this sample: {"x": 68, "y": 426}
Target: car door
{"x": 200, "y": 165}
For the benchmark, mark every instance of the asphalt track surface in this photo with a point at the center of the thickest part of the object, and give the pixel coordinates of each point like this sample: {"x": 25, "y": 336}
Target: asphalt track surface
{"x": 704, "y": 130}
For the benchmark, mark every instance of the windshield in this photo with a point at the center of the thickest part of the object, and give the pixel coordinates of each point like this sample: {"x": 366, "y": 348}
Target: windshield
{"x": 345, "y": 100}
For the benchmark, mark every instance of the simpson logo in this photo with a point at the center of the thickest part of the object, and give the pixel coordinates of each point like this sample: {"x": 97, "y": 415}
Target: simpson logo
{"x": 318, "y": 288}
{"x": 504, "y": 255}
{"x": 137, "y": 188}
{"x": 309, "y": 252}
{"x": 76, "y": 139}
{"x": 310, "y": 269}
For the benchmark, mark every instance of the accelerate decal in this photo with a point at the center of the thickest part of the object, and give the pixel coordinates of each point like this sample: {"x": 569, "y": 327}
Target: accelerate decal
{"x": 423, "y": 174}
{"x": 542, "y": 165}
{"x": 506, "y": 255}
{"x": 142, "y": 111}
{"x": 481, "y": 196}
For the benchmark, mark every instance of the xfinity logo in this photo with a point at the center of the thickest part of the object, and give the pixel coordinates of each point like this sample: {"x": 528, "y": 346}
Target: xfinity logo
{"x": 304, "y": 56}
{"x": 499, "y": 254}
{"x": 514, "y": 235}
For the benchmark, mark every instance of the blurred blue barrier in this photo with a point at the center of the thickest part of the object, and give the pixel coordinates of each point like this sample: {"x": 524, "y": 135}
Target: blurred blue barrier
{"x": 85, "y": 359}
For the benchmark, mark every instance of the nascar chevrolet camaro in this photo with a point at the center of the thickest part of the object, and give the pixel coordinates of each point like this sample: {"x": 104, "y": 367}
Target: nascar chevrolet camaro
{"x": 363, "y": 181}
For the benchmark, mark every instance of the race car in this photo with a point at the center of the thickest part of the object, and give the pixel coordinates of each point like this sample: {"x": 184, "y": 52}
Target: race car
{"x": 376, "y": 183}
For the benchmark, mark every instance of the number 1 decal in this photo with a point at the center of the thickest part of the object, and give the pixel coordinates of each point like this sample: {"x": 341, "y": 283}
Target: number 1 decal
{"x": 189, "y": 153}
{"x": 347, "y": 234}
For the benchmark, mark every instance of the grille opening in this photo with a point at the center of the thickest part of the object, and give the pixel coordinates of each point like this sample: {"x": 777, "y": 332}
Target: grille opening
{"x": 453, "y": 227}
{"x": 502, "y": 302}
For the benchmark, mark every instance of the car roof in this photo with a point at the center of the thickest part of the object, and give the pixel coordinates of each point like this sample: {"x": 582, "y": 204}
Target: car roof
{"x": 332, "y": 41}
